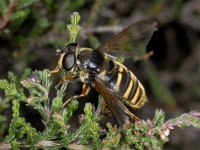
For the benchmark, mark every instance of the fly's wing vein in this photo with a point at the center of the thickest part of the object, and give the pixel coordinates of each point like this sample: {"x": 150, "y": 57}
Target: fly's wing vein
{"x": 115, "y": 104}
{"x": 131, "y": 40}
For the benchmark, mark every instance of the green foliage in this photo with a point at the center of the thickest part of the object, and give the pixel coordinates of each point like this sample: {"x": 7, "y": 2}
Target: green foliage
{"x": 19, "y": 128}
{"x": 18, "y": 12}
{"x": 142, "y": 135}
{"x": 75, "y": 4}
{"x": 3, "y": 105}
{"x": 113, "y": 136}
{"x": 149, "y": 134}
{"x": 11, "y": 90}
{"x": 27, "y": 24}
{"x": 74, "y": 28}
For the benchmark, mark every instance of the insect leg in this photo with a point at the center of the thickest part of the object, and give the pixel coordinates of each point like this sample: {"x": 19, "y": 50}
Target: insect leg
{"x": 68, "y": 78}
{"x": 102, "y": 106}
{"x": 85, "y": 91}
{"x": 100, "y": 103}
{"x": 55, "y": 70}
{"x": 130, "y": 114}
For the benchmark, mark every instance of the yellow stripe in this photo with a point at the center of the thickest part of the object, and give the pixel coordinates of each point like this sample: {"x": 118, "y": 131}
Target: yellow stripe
{"x": 119, "y": 79}
{"x": 133, "y": 76}
{"x": 126, "y": 94}
{"x": 121, "y": 68}
{"x": 135, "y": 96}
{"x": 60, "y": 60}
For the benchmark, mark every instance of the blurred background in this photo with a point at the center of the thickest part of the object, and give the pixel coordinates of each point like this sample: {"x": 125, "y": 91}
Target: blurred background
{"x": 31, "y": 30}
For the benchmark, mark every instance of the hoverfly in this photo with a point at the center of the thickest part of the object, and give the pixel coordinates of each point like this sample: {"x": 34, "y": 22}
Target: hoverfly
{"x": 95, "y": 68}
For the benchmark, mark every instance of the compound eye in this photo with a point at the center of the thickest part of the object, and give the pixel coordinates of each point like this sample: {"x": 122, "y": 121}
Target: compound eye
{"x": 68, "y": 61}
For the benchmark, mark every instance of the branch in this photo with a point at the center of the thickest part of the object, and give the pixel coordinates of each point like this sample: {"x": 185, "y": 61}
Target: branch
{"x": 6, "y": 18}
{"x": 43, "y": 144}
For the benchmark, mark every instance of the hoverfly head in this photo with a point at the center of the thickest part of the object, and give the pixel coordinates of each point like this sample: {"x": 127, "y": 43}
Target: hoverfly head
{"x": 69, "y": 59}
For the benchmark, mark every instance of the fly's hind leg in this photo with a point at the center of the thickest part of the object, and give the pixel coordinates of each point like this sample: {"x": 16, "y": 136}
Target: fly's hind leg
{"x": 85, "y": 91}
{"x": 131, "y": 115}
{"x": 102, "y": 106}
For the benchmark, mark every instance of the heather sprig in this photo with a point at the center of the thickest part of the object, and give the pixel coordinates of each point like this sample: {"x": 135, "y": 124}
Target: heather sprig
{"x": 34, "y": 89}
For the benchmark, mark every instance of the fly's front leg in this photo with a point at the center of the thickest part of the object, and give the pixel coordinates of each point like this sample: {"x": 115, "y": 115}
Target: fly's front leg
{"x": 59, "y": 65}
{"x": 56, "y": 70}
{"x": 85, "y": 91}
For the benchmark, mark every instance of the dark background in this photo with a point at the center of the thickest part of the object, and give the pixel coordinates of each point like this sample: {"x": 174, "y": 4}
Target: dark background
{"x": 171, "y": 76}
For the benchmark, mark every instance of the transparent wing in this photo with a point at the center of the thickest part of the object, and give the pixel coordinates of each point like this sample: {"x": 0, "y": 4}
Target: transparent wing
{"x": 113, "y": 101}
{"x": 131, "y": 40}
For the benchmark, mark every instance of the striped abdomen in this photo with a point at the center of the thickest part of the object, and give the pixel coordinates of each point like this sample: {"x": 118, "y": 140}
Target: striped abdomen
{"x": 125, "y": 84}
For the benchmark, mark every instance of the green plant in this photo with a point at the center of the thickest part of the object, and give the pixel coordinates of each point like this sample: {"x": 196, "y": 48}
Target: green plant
{"x": 28, "y": 25}
{"x": 149, "y": 134}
